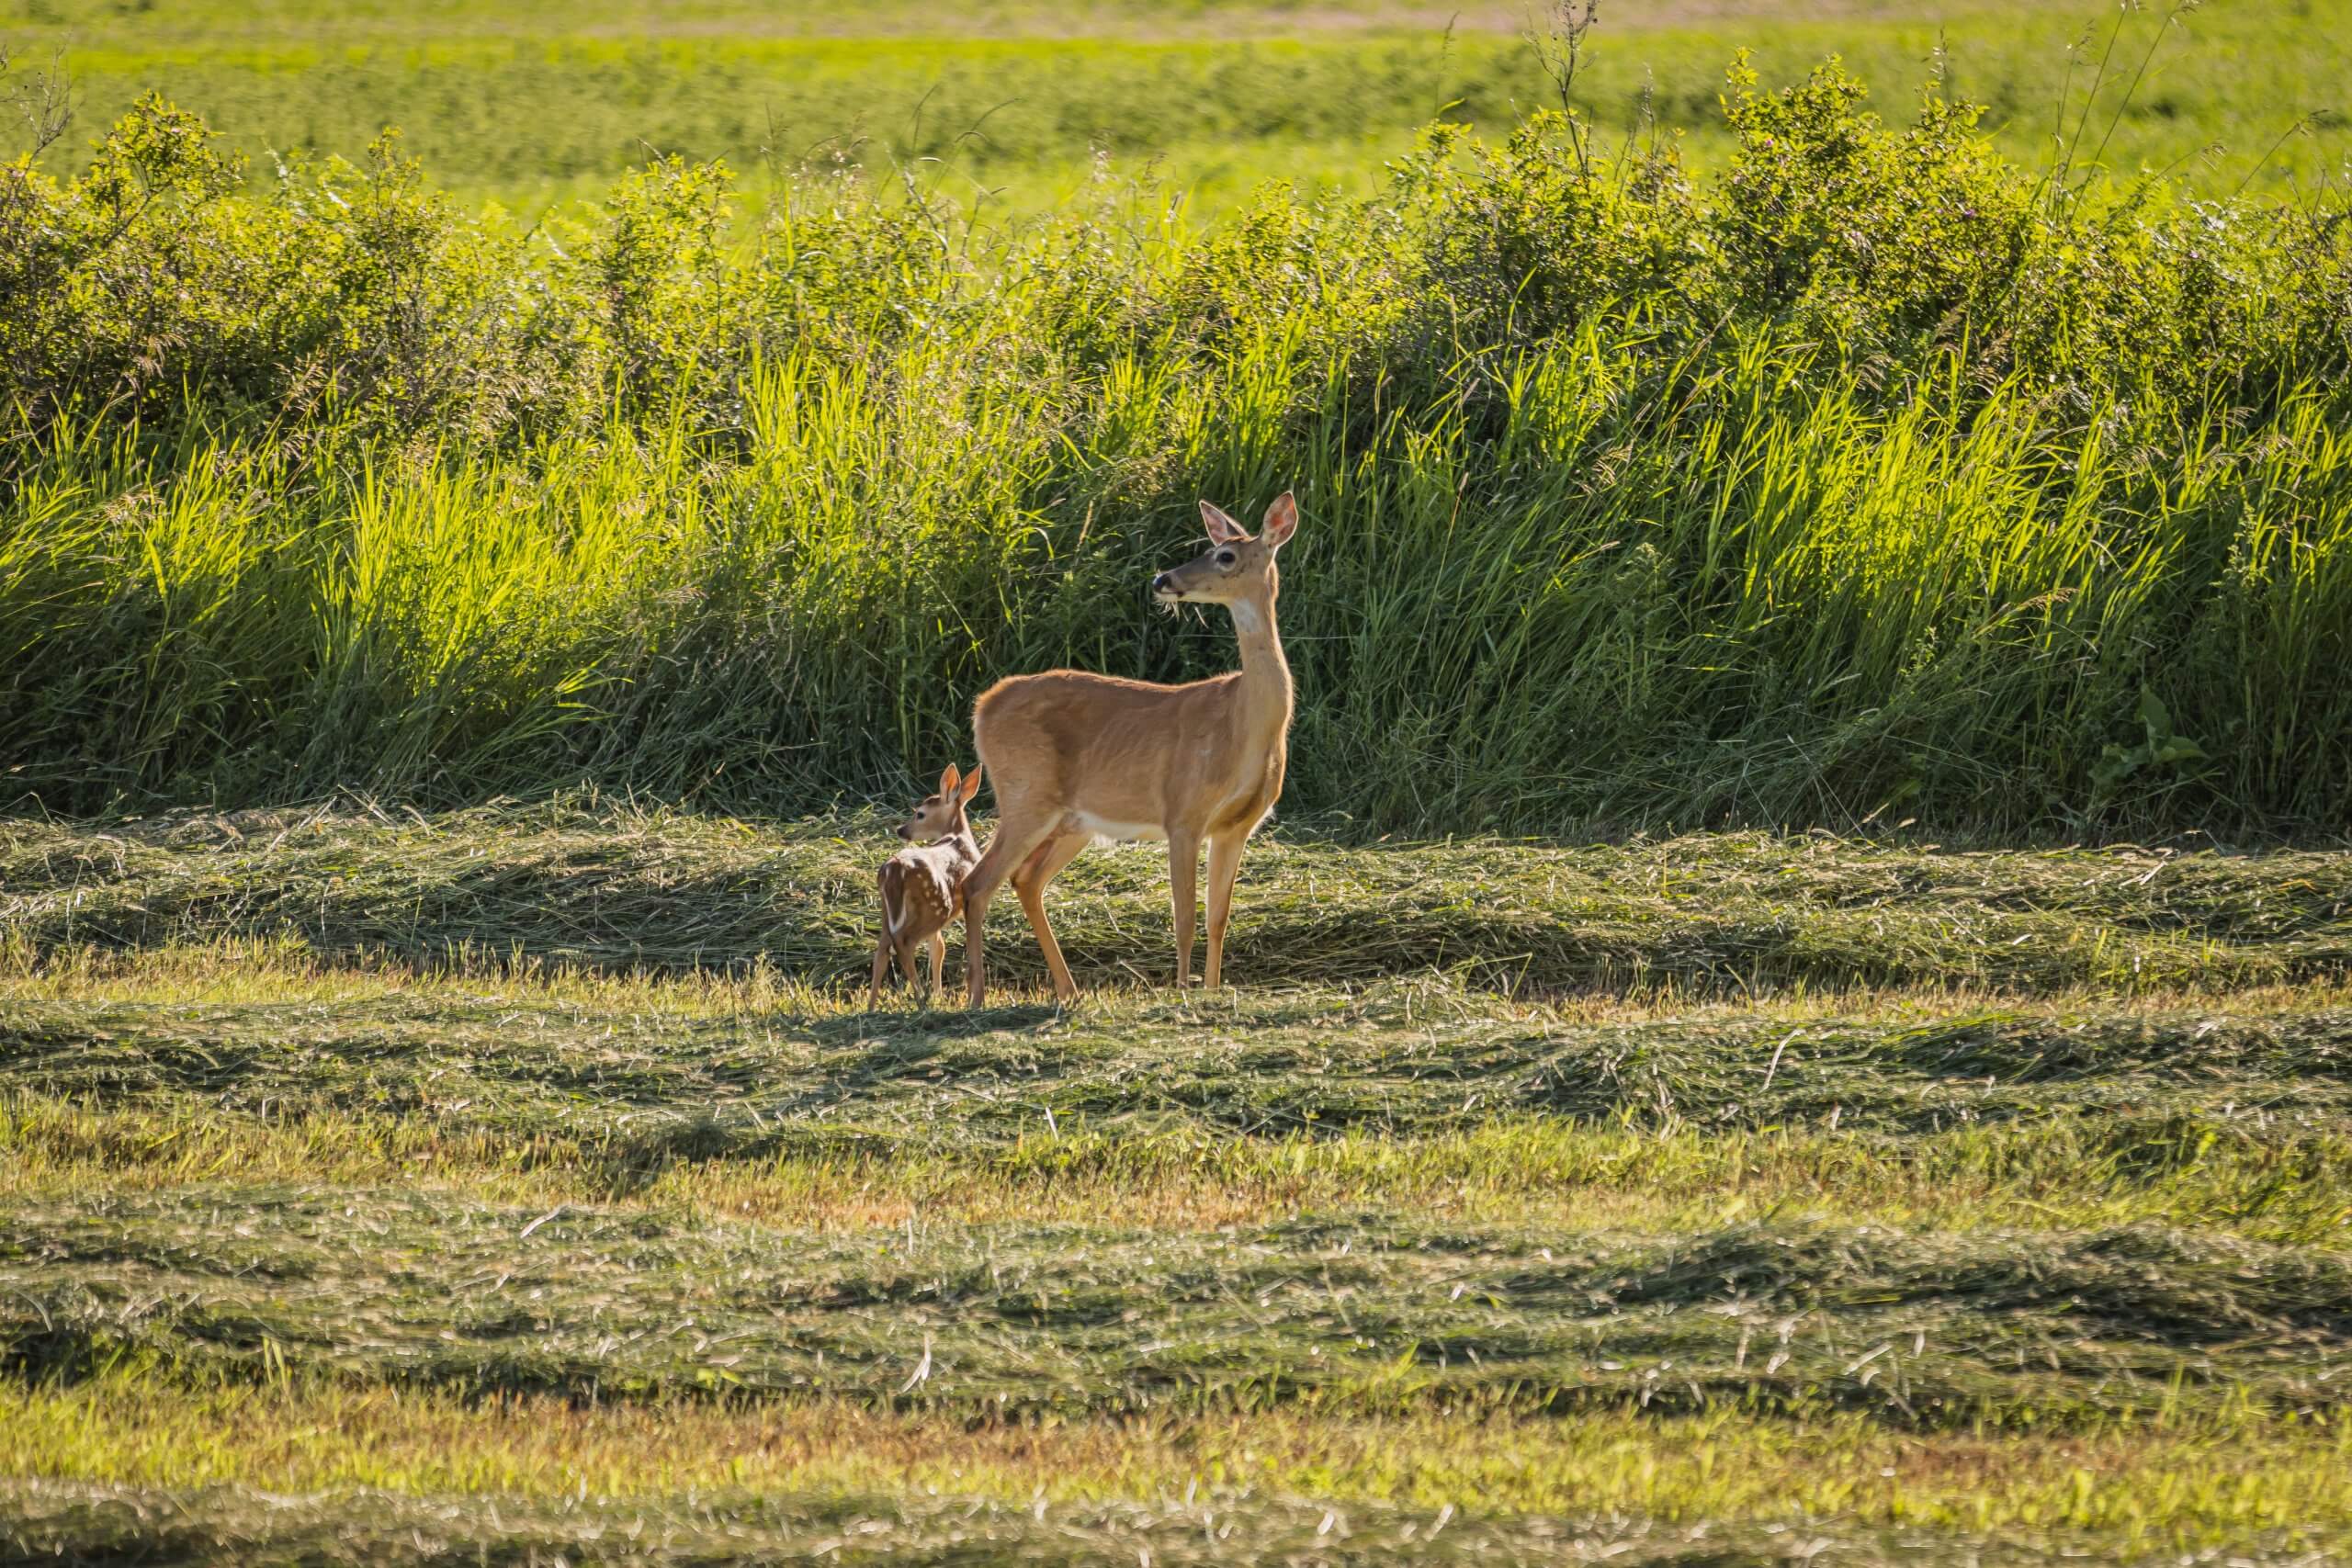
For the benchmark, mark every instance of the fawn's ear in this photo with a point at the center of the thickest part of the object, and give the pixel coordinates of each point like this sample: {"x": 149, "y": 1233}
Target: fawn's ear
{"x": 1281, "y": 520}
{"x": 1222, "y": 530}
{"x": 971, "y": 784}
{"x": 947, "y": 782}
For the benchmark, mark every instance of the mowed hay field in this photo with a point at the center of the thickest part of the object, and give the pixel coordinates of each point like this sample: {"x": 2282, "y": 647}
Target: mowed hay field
{"x": 1797, "y": 1006}
{"x": 516, "y": 1186}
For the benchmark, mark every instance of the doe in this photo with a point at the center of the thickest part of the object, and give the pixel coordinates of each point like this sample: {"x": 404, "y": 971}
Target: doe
{"x": 1078, "y": 757}
{"x": 922, "y": 886}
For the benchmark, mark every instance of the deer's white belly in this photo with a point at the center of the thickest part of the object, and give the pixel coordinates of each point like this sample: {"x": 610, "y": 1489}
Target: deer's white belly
{"x": 1117, "y": 832}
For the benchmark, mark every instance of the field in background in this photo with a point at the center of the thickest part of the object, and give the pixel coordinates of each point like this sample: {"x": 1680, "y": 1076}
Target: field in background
{"x": 1005, "y": 106}
{"x": 535, "y": 1181}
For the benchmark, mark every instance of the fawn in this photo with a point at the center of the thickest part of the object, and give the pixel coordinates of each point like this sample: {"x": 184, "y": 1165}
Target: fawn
{"x": 1079, "y": 757}
{"x": 922, "y": 886}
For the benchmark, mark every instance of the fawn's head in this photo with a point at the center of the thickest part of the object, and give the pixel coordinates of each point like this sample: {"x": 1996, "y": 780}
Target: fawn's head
{"x": 941, "y": 816}
{"x": 1236, "y": 570}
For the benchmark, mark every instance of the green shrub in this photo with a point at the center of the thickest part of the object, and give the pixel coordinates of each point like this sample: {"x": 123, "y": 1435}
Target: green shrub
{"x": 1875, "y": 478}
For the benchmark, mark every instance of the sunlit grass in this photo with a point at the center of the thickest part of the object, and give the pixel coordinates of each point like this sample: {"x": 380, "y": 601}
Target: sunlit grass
{"x": 1915, "y": 1045}
{"x": 2050, "y": 1177}
{"x": 2176, "y": 1485}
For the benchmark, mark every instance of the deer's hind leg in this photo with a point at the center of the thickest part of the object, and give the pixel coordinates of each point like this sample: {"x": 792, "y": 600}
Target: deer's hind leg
{"x": 1044, "y": 864}
{"x": 909, "y": 950}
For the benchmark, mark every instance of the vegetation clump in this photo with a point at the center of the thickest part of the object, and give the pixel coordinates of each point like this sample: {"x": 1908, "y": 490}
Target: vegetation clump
{"x": 1870, "y": 476}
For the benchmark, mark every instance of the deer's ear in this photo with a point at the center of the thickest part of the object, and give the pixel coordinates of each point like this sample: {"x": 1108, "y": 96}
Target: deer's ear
{"x": 972, "y": 783}
{"x": 1222, "y": 530}
{"x": 947, "y": 782}
{"x": 1281, "y": 520}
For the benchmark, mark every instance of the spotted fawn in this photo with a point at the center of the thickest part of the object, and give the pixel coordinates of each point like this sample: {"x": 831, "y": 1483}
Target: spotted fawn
{"x": 922, "y": 886}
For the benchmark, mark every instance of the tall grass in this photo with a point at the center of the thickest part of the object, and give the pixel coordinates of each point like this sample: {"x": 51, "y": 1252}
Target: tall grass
{"x": 1877, "y": 480}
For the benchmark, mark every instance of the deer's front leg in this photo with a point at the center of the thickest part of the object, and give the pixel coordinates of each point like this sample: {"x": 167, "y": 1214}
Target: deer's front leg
{"x": 1224, "y": 862}
{"x": 1015, "y": 837}
{"x": 1183, "y": 869}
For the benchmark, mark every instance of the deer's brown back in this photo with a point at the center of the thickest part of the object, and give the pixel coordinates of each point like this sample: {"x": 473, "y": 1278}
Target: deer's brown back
{"x": 1112, "y": 749}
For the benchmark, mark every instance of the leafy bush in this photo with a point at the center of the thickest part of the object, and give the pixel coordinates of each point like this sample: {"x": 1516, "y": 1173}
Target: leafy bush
{"x": 1875, "y": 478}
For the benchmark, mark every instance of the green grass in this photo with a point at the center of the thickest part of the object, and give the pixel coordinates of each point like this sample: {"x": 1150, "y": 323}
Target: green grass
{"x": 625, "y": 1231}
{"x": 1731, "y": 914}
{"x": 1516, "y": 600}
{"x": 1988, "y": 1332}
{"x": 1917, "y": 1110}
{"x": 536, "y": 112}
{"x": 1719, "y": 1469}
{"x": 249, "y": 1525}
{"x": 1871, "y": 477}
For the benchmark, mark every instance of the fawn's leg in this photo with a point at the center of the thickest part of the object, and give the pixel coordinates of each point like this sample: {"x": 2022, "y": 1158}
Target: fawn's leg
{"x": 1015, "y": 841}
{"x": 1184, "y": 874}
{"x": 1030, "y": 882}
{"x": 908, "y": 949}
{"x": 1225, "y": 864}
{"x": 938, "y": 965}
{"x": 886, "y": 885}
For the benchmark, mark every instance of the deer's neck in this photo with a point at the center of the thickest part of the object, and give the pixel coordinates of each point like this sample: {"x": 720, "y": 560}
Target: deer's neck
{"x": 965, "y": 848}
{"x": 1266, "y": 675}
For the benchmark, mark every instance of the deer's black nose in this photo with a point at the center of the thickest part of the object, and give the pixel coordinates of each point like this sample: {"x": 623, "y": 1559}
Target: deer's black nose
{"x": 1160, "y": 584}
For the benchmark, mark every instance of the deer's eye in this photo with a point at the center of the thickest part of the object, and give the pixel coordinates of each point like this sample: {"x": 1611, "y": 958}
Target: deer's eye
{"x": 1225, "y": 558}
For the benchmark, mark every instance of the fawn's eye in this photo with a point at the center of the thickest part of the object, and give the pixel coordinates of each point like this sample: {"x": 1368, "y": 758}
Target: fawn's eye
{"x": 1225, "y": 558}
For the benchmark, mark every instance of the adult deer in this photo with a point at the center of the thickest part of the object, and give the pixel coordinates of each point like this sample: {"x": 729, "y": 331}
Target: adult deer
{"x": 1078, "y": 757}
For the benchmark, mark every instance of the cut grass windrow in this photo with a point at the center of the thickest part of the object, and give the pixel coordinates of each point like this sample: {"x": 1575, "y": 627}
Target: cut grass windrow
{"x": 1398, "y": 1062}
{"x": 1991, "y": 1331}
{"x": 2181, "y": 1485}
{"x": 1723, "y": 913}
{"x": 2227, "y": 1114}
{"x": 2159, "y": 1170}
{"x": 48, "y": 1523}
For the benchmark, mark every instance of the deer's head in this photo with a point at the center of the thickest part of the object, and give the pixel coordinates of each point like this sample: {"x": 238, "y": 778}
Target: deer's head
{"x": 941, "y": 816}
{"x": 1236, "y": 570}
